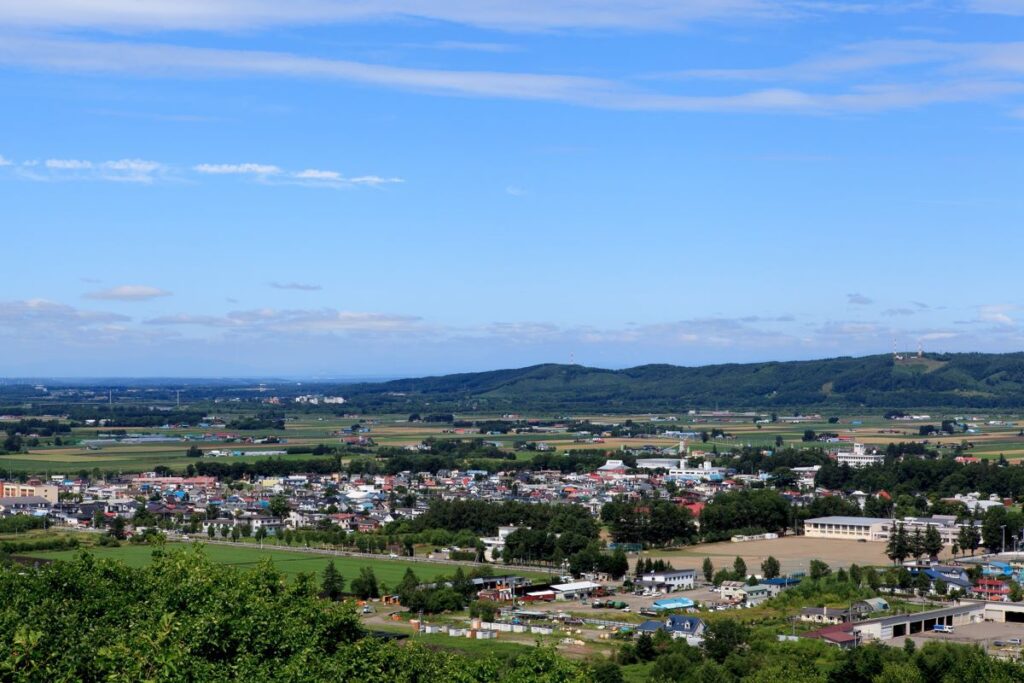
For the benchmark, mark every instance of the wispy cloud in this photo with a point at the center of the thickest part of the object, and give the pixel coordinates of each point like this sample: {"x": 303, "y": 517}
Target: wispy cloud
{"x": 470, "y": 46}
{"x": 997, "y": 313}
{"x": 1010, "y": 7}
{"x": 515, "y": 191}
{"x": 118, "y": 170}
{"x": 237, "y": 169}
{"x": 159, "y": 60}
{"x": 128, "y": 293}
{"x": 314, "y": 176}
{"x": 145, "y": 171}
{"x": 512, "y": 15}
{"x": 40, "y": 320}
{"x": 300, "y": 321}
{"x": 898, "y": 312}
{"x": 300, "y": 286}
{"x": 858, "y": 299}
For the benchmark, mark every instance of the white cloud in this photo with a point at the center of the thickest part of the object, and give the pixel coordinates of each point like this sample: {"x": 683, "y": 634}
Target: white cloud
{"x": 4, "y": 161}
{"x": 374, "y": 180}
{"x": 316, "y": 174}
{"x": 299, "y": 286}
{"x": 128, "y": 293}
{"x": 1010, "y": 7}
{"x": 170, "y": 60}
{"x": 68, "y": 164}
{"x": 938, "y": 336}
{"x": 515, "y": 191}
{"x": 517, "y": 15}
{"x": 126, "y": 170}
{"x": 35, "y": 312}
{"x": 237, "y": 169}
{"x": 146, "y": 171}
{"x": 473, "y": 46}
{"x": 300, "y": 321}
{"x": 996, "y": 313}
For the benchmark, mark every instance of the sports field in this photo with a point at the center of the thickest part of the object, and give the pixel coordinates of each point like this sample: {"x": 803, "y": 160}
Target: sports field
{"x": 291, "y": 563}
{"x": 794, "y": 553}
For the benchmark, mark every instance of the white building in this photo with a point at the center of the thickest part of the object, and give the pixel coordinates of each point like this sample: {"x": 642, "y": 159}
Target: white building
{"x": 880, "y": 528}
{"x": 859, "y": 457}
{"x": 670, "y": 580}
{"x": 703, "y": 473}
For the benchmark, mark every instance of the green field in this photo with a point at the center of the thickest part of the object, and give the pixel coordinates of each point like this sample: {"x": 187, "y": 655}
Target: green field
{"x": 388, "y": 571}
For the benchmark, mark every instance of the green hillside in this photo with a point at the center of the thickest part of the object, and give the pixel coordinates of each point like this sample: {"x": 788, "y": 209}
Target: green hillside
{"x": 954, "y": 380}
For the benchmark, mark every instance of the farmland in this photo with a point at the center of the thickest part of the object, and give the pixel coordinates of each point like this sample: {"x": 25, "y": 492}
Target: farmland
{"x": 992, "y": 437}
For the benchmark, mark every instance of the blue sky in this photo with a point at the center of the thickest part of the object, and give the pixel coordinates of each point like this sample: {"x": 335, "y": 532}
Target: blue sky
{"x": 329, "y": 188}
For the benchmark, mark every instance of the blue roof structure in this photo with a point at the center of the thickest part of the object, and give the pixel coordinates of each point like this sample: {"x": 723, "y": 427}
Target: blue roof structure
{"x": 672, "y": 603}
{"x": 784, "y": 581}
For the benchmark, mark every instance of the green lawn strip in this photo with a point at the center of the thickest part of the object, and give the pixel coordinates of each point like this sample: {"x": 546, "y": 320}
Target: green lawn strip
{"x": 291, "y": 563}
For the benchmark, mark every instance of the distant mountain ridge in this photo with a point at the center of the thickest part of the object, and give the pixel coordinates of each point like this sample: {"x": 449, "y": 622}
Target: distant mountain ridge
{"x": 968, "y": 380}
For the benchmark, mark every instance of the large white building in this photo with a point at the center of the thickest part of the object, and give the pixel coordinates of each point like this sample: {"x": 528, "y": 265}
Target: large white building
{"x": 880, "y": 528}
{"x": 670, "y": 580}
{"x": 859, "y": 457}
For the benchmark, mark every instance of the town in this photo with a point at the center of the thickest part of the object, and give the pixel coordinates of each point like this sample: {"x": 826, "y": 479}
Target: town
{"x": 595, "y": 551}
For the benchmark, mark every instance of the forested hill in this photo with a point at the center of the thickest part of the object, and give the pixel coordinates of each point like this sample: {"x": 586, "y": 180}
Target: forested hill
{"x": 972, "y": 380}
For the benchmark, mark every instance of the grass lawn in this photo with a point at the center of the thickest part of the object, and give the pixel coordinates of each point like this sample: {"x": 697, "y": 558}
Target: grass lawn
{"x": 291, "y": 563}
{"x": 482, "y": 648}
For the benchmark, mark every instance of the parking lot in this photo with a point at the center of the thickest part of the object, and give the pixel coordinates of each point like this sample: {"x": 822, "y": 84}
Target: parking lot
{"x": 986, "y": 634}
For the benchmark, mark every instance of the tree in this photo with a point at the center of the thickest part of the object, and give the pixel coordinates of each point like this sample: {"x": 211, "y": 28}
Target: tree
{"x": 279, "y": 506}
{"x": 770, "y": 568}
{"x": 461, "y": 583}
{"x": 819, "y": 569}
{"x": 932, "y": 542}
{"x": 708, "y": 568}
{"x": 617, "y": 564}
{"x": 740, "y": 568}
{"x": 898, "y": 546}
{"x": 915, "y": 544}
{"x": 608, "y": 672}
{"x": 261, "y": 534}
{"x": 723, "y": 637}
{"x": 645, "y": 648}
{"x": 333, "y": 582}
{"x": 365, "y": 585}
{"x": 117, "y": 528}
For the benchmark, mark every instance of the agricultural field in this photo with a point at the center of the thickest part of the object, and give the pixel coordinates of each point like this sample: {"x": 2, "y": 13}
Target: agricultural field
{"x": 989, "y": 440}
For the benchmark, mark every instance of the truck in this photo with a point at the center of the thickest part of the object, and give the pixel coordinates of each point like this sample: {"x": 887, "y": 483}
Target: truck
{"x": 942, "y": 628}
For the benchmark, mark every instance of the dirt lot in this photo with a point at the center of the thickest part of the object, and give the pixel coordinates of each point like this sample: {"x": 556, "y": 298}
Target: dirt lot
{"x": 794, "y": 553}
